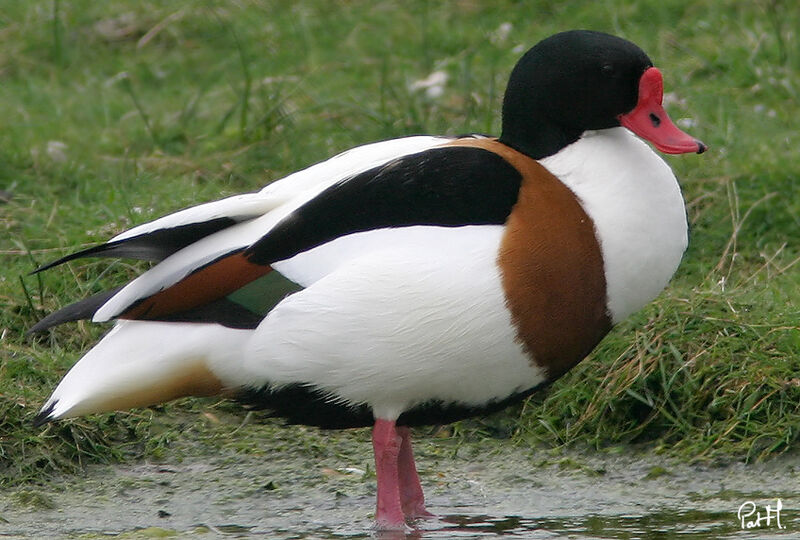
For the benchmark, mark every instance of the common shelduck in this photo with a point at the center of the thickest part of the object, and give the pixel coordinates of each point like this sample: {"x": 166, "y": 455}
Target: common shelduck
{"x": 414, "y": 281}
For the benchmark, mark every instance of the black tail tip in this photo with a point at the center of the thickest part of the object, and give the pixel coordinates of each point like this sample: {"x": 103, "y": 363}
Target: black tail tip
{"x": 44, "y": 415}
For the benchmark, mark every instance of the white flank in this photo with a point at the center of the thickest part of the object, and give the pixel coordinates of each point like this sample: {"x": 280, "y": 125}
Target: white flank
{"x": 638, "y": 211}
{"x": 420, "y": 314}
{"x": 285, "y": 195}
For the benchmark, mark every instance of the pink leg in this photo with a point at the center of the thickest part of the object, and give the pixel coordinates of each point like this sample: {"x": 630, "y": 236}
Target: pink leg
{"x": 386, "y": 444}
{"x": 411, "y": 497}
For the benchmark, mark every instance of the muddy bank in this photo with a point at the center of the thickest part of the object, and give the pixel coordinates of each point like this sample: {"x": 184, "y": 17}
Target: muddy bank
{"x": 479, "y": 492}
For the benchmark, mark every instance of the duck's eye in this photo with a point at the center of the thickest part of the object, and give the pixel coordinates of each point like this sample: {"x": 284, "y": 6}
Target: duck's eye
{"x": 608, "y": 70}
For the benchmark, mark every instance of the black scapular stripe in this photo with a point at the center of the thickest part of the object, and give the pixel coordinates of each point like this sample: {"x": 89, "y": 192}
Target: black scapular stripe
{"x": 446, "y": 186}
{"x": 153, "y": 246}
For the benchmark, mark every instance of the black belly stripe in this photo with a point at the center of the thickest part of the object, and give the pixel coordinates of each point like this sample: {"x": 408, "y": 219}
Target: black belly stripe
{"x": 304, "y": 405}
{"x": 447, "y": 186}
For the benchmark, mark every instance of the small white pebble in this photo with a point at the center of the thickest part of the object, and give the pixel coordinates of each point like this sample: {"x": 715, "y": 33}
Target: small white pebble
{"x": 434, "y": 91}
{"x": 500, "y": 35}
{"x": 56, "y": 150}
{"x": 352, "y": 470}
{"x": 671, "y": 98}
{"x": 433, "y": 84}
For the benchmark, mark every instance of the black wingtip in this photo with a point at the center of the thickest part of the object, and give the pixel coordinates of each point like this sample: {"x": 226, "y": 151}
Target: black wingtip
{"x": 45, "y": 324}
{"x": 44, "y": 415}
{"x": 149, "y": 246}
{"x": 36, "y": 328}
{"x": 96, "y": 250}
{"x": 85, "y": 309}
{"x": 45, "y": 267}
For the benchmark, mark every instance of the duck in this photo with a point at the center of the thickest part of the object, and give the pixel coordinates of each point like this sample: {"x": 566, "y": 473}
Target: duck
{"x": 408, "y": 282}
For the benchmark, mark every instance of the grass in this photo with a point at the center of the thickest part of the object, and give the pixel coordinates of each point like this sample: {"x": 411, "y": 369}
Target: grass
{"x": 117, "y": 113}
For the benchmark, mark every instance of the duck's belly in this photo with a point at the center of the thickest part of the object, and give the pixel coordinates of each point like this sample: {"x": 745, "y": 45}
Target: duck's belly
{"x": 420, "y": 316}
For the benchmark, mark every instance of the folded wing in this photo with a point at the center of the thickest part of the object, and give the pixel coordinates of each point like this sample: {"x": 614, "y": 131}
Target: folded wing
{"x": 442, "y": 185}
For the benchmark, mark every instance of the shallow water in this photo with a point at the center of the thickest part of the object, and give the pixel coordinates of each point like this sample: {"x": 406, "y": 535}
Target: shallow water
{"x": 511, "y": 493}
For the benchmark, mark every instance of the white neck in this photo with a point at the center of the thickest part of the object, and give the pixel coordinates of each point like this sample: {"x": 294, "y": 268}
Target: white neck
{"x": 636, "y": 204}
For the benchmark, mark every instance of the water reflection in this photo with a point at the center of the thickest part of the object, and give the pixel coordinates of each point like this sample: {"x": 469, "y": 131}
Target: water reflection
{"x": 661, "y": 524}
{"x": 459, "y": 526}
{"x": 688, "y": 524}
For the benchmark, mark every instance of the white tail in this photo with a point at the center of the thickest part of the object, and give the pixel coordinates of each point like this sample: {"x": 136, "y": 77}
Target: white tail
{"x": 141, "y": 363}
